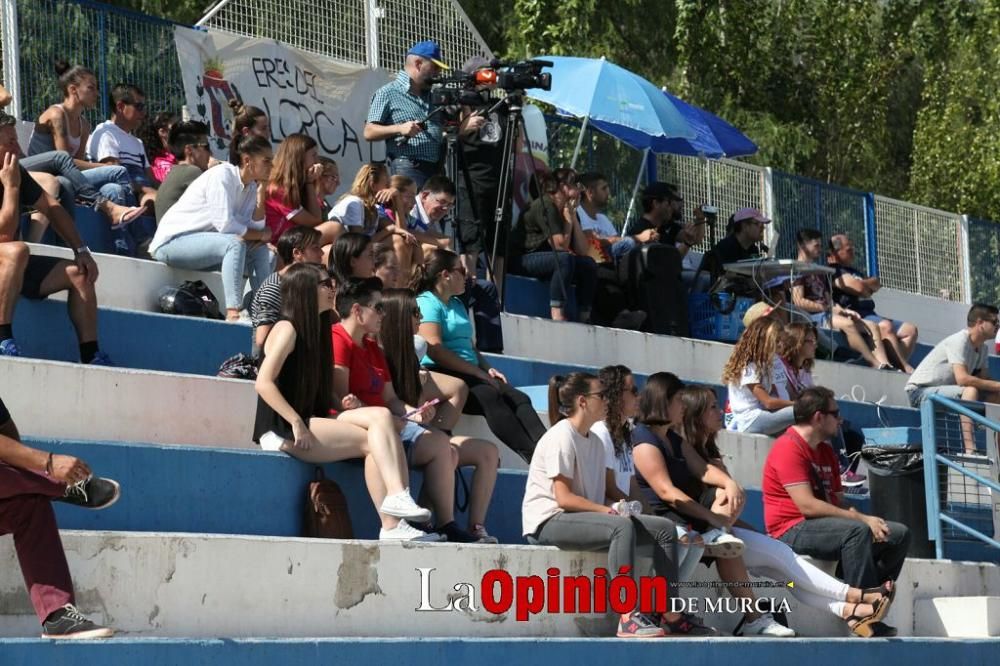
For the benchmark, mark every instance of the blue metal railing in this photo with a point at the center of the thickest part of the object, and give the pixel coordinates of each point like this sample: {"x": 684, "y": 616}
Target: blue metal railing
{"x": 936, "y": 516}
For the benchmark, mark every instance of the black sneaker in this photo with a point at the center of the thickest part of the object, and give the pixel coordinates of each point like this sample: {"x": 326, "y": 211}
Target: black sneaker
{"x": 456, "y": 534}
{"x": 883, "y": 630}
{"x": 94, "y": 493}
{"x": 68, "y": 623}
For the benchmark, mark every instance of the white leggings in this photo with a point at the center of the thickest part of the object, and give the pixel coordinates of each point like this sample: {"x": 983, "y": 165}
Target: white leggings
{"x": 770, "y": 558}
{"x": 688, "y": 557}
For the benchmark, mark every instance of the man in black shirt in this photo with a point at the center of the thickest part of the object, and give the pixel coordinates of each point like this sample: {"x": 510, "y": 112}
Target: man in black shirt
{"x": 743, "y": 242}
{"x": 654, "y": 268}
{"x": 39, "y": 277}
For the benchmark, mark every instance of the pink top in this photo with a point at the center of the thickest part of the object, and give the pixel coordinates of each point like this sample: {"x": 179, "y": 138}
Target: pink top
{"x": 162, "y": 164}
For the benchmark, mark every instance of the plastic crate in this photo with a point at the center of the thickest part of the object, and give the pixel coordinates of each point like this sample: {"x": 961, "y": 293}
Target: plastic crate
{"x": 707, "y": 323}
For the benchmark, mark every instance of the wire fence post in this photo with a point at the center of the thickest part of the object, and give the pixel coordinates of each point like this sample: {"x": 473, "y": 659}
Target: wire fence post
{"x": 11, "y": 54}
{"x": 102, "y": 44}
{"x": 871, "y": 237}
{"x": 768, "y": 207}
{"x": 372, "y": 14}
{"x": 966, "y": 259}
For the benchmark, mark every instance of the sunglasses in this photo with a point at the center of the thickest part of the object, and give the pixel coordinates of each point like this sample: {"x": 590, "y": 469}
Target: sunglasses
{"x": 835, "y": 413}
{"x": 603, "y": 395}
{"x": 138, "y": 106}
{"x": 203, "y": 145}
{"x": 379, "y": 307}
{"x": 326, "y": 284}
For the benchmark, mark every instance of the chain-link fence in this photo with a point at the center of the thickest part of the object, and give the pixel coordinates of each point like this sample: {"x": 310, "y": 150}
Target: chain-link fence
{"x": 357, "y": 31}
{"x": 118, "y": 45}
{"x": 803, "y": 203}
{"x": 919, "y": 249}
{"x": 727, "y": 184}
{"x": 984, "y": 250}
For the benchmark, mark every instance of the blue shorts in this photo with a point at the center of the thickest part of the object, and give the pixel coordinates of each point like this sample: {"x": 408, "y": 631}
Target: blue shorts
{"x": 876, "y": 318}
{"x": 410, "y": 433}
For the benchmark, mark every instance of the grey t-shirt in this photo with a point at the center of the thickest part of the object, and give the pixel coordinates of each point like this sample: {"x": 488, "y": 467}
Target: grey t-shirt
{"x": 936, "y": 368}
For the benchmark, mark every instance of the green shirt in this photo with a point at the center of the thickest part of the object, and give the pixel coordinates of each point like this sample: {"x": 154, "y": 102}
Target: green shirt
{"x": 538, "y": 224}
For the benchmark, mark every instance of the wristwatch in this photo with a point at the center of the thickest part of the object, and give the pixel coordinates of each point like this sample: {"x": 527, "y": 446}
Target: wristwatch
{"x": 83, "y": 249}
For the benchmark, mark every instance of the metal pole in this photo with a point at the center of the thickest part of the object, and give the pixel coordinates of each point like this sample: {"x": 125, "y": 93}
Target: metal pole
{"x": 12, "y": 55}
{"x": 216, "y": 8}
{"x": 579, "y": 141}
{"x": 930, "y": 475}
{"x": 372, "y": 14}
{"x": 635, "y": 190}
{"x": 966, "y": 259}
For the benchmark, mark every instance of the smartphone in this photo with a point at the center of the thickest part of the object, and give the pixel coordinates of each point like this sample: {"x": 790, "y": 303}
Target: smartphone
{"x": 423, "y": 407}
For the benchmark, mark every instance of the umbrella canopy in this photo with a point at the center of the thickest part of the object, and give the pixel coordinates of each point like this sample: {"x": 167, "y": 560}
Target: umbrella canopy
{"x": 600, "y": 91}
{"x": 714, "y": 137}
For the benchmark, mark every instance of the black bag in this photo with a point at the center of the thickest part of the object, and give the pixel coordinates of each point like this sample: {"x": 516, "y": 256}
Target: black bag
{"x": 239, "y": 366}
{"x": 192, "y": 299}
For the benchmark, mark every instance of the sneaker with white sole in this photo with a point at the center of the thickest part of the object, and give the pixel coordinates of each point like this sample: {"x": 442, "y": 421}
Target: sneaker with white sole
{"x": 9, "y": 347}
{"x": 720, "y": 543}
{"x": 401, "y": 505}
{"x": 482, "y": 536}
{"x": 406, "y": 532}
{"x": 766, "y": 625}
{"x": 638, "y": 625}
{"x": 68, "y": 623}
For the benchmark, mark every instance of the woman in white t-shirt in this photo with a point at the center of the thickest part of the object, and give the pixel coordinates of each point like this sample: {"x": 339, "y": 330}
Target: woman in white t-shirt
{"x": 749, "y": 376}
{"x": 218, "y": 223}
{"x": 564, "y": 501}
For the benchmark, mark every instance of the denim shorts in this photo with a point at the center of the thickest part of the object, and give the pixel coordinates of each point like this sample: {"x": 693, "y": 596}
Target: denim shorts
{"x": 876, "y": 318}
{"x": 410, "y": 433}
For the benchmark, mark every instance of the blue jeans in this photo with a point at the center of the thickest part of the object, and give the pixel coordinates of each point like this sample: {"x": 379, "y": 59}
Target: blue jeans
{"x": 209, "y": 251}
{"x": 620, "y": 248}
{"x": 562, "y": 270}
{"x": 110, "y": 182}
{"x": 417, "y": 170}
{"x": 862, "y": 561}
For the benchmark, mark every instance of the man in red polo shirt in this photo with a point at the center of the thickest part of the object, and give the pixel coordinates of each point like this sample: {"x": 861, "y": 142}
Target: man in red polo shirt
{"x": 803, "y": 500}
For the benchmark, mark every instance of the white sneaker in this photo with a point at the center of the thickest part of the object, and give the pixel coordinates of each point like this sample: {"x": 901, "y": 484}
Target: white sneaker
{"x": 406, "y": 532}
{"x": 401, "y": 505}
{"x": 766, "y": 626}
{"x": 722, "y": 544}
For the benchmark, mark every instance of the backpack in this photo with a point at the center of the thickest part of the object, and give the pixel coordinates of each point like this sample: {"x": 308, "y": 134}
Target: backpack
{"x": 192, "y": 299}
{"x": 326, "y": 515}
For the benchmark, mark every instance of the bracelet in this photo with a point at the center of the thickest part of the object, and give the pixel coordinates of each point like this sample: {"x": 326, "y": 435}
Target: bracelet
{"x": 48, "y": 464}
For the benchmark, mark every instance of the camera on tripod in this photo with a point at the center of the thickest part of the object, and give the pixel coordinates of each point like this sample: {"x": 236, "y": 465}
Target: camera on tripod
{"x": 463, "y": 88}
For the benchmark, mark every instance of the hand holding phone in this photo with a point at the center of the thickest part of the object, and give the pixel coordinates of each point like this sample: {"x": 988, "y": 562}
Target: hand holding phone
{"x": 422, "y": 408}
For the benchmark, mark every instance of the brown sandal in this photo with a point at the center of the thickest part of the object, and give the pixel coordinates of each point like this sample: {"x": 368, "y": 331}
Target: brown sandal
{"x": 863, "y": 624}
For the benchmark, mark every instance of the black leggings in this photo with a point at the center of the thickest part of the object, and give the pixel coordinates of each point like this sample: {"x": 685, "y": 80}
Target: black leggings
{"x": 509, "y": 412}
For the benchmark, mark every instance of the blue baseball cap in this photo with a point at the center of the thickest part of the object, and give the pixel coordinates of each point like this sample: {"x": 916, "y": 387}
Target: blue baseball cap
{"x": 430, "y": 50}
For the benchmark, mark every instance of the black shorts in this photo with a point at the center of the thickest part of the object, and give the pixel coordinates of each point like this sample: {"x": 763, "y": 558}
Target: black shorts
{"x": 37, "y": 270}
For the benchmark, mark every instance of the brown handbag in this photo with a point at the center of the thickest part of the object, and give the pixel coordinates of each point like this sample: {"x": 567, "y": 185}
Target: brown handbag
{"x": 326, "y": 515}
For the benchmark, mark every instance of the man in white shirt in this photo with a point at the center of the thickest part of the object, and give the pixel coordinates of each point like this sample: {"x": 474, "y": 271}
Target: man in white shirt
{"x": 958, "y": 367}
{"x": 595, "y": 194}
{"x": 112, "y": 142}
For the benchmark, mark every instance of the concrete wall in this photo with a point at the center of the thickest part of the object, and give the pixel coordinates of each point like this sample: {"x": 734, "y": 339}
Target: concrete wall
{"x": 935, "y": 318}
{"x": 67, "y": 400}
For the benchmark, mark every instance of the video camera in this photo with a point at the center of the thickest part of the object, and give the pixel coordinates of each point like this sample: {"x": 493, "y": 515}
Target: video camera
{"x": 460, "y": 88}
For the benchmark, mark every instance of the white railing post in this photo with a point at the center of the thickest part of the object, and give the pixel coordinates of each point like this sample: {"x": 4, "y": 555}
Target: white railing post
{"x": 372, "y": 15}
{"x": 11, "y": 55}
{"x": 215, "y": 9}
{"x": 769, "y": 207}
{"x": 965, "y": 256}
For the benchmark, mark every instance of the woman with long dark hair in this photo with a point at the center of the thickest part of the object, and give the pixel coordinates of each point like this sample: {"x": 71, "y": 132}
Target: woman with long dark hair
{"x": 415, "y": 386}
{"x": 292, "y": 192}
{"x": 155, "y": 135}
{"x": 615, "y": 432}
{"x": 446, "y": 327}
{"x": 352, "y": 256}
{"x": 564, "y": 503}
{"x": 295, "y": 389}
{"x": 680, "y": 471}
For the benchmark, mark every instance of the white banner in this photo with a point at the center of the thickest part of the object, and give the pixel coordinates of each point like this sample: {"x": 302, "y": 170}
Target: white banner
{"x": 300, "y": 92}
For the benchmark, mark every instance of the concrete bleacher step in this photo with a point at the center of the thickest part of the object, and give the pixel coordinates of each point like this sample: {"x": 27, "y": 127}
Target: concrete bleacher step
{"x": 958, "y": 617}
{"x": 205, "y": 585}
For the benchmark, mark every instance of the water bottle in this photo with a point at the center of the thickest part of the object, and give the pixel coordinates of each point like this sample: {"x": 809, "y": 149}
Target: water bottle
{"x": 626, "y": 508}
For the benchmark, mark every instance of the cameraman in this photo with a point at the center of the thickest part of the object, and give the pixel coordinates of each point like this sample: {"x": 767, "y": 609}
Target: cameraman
{"x": 482, "y": 155}
{"x": 401, "y": 115}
